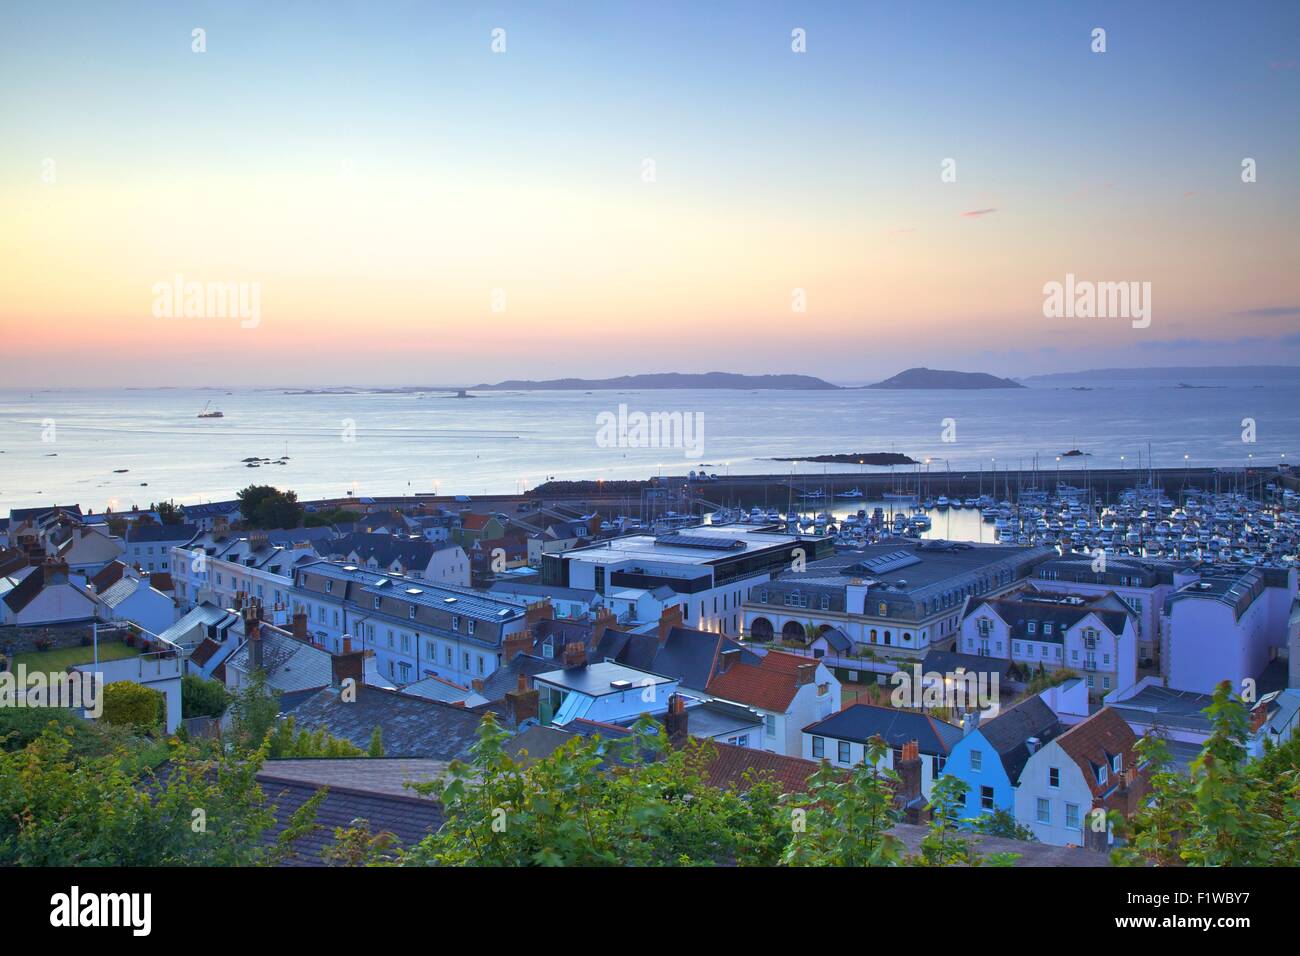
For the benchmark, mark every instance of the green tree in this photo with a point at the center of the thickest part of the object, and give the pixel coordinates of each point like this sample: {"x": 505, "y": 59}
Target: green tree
{"x": 169, "y": 513}
{"x": 202, "y": 698}
{"x": 376, "y": 743}
{"x": 264, "y": 506}
{"x": 285, "y": 740}
{"x": 253, "y": 712}
{"x": 845, "y": 820}
{"x": 592, "y": 802}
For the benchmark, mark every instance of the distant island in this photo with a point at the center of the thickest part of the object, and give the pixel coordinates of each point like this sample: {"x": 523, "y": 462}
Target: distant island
{"x": 918, "y": 378}
{"x": 668, "y": 380}
{"x": 858, "y": 458}
{"x": 1184, "y": 373}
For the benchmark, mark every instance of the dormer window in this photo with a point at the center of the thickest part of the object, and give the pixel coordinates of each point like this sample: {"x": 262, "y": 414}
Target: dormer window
{"x": 329, "y": 587}
{"x": 1047, "y": 627}
{"x": 376, "y": 604}
{"x": 1117, "y": 763}
{"x": 455, "y": 622}
{"x": 412, "y": 612}
{"x": 1102, "y": 776}
{"x": 469, "y": 628}
{"x": 1032, "y": 627}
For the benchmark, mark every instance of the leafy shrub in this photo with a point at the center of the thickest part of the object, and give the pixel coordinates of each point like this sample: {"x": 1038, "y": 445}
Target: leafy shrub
{"x": 134, "y": 705}
{"x": 202, "y": 698}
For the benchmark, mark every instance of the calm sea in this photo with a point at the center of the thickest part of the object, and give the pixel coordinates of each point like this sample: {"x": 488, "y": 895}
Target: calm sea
{"x": 68, "y": 446}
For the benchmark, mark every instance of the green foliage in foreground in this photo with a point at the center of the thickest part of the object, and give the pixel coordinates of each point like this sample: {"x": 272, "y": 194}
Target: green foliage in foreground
{"x": 1227, "y": 811}
{"x": 199, "y": 809}
{"x": 635, "y": 801}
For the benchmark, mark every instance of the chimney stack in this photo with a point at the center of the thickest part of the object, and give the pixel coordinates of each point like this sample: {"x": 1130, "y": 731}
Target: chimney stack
{"x": 604, "y": 620}
{"x": 55, "y": 571}
{"x": 300, "y": 625}
{"x": 908, "y": 769}
{"x": 807, "y": 673}
{"x": 349, "y": 664}
{"x": 669, "y": 619}
{"x": 676, "y": 720}
{"x": 727, "y": 658}
{"x": 524, "y": 702}
{"x": 520, "y": 642}
{"x": 970, "y": 721}
{"x": 575, "y": 655}
{"x": 253, "y": 632}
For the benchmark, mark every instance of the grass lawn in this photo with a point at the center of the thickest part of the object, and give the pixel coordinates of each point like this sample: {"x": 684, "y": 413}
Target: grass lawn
{"x": 59, "y": 659}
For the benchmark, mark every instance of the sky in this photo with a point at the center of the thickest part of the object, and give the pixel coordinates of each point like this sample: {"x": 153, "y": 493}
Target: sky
{"x": 638, "y": 187}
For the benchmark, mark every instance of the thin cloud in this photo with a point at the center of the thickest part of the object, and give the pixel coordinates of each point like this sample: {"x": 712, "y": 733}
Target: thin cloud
{"x": 976, "y": 213}
{"x": 1271, "y": 312}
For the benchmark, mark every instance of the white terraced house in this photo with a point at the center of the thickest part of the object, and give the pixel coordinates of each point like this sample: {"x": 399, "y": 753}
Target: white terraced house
{"x": 415, "y": 629}
{"x": 1096, "y": 638}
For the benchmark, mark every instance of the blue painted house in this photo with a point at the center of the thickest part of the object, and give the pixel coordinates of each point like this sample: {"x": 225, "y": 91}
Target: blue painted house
{"x": 989, "y": 757}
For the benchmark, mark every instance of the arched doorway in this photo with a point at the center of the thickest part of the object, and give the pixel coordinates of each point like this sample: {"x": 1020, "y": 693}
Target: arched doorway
{"x": 761, "y": 629}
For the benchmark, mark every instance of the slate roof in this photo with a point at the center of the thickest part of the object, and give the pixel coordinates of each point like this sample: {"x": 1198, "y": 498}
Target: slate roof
{"x": 120, "y": 591}
{"x": 291, "y": 665}
{"x": 689, "y": 655}
{"x": 949, "y": 662}
{"x": 138, "y": 533}
{"x": 410, "y": 818}
{"x": 107, "y": 576}
{"x": 410, "y": 726}
{"x": 25, "y": 591}
{"x": 860, "y": 722}
{"x": 1007, "y": 732}
{"x": 1025, "y": 607}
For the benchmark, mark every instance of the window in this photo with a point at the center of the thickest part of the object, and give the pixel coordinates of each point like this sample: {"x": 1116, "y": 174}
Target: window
{"x": 1054, "y": 776}
{"x": 1102, "y": 776}
{"x": 1117, "y": 763}
{"x": 819, "y": 746}
{"x": 986, "y": 798}
{"x": 1072, "y": 815}
{"x": 329, "y": 585}
{"x": 412, "y": 609}
{"x": 976, "y": 761}
{"x": 466, "y": 658}
{"x": 455, "y": 622}
{"x": 769, "y": 725}
{"x": 1047, "y": 627}
{"x": 1044, "y": 812}
{"x": 1032, "y": 627}
{"x": 843, "y": 751}
{"x": 481, "y": 665}
{"x": 469, "y": 628}
{"x": 376, "y": 604}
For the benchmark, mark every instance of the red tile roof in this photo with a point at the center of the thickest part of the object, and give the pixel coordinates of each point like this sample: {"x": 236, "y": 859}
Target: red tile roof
{"x": 771, "y": 684}
{"x": 474, "y": 522}
{"x": 1094, "y": 743}
{"x": 741, "y": 767}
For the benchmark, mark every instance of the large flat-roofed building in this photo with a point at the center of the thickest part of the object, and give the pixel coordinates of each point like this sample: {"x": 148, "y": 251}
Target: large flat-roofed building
{"x": 709, "y": 569}
{"x": 1229, "y": 624}
{"x": 906, "y": 597}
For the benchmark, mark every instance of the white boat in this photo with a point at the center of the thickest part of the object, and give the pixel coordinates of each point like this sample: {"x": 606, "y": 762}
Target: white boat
{"x": 855, "y": 493}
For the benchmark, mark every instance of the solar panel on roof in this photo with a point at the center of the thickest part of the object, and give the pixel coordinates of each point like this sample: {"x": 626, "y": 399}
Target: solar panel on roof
{"x": 679, "y": 540}
{"x": 891, "y": 561}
